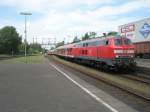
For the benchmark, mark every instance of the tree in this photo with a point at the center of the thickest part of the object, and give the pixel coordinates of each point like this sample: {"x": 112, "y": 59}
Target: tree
{"x": 92, "y": 34}
{"x": 76, "y": 39}
{"x": 52, "y": 48}
{"x": 86, "y": 36}
{"x": 35, "y": 48}
{"x": 113, "y": 33}
{"x": 22, "y": 48}
{"x": 9, "y": 40}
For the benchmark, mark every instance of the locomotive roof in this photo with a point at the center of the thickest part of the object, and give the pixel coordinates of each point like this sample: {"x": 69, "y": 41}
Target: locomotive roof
{"x": 66, "y": 46}
{"x": 86, "y": 41}
{"x": 96, "y": 39}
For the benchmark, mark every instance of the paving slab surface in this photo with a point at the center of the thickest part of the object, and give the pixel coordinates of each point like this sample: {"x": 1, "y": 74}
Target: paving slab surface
{"x": 41, "y": 88}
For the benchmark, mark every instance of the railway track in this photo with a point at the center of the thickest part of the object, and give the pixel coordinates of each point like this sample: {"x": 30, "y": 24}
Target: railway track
{"x": 137, "y": 84}
{"x": 141, "y": 78}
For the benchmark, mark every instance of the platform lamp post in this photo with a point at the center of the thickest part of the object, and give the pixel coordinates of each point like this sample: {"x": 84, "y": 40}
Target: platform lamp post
{"x": 25, "y": 14}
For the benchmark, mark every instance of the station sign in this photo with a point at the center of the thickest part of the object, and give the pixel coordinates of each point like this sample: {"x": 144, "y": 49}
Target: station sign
{"x": 128, "y": 28}
{"x": 145, "y": 30}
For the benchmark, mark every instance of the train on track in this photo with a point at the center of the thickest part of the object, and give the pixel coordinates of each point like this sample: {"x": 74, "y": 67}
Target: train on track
{"x": 113, "y": 53}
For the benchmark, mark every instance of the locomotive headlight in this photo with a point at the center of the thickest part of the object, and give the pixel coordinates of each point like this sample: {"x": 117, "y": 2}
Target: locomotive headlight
{"x": 117, "y": 56}
{"x": 130, "y": 51}
{"x": 118, "y": 51}
{"x": 132, "y": 56}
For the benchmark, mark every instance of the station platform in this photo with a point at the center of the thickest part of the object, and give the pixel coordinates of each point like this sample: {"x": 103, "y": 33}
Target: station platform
{"x": 46, "y": 87}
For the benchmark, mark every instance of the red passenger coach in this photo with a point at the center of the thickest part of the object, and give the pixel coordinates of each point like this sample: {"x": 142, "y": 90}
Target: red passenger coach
{"x": 108, "y": 53}
{"x": 65, "y": 51}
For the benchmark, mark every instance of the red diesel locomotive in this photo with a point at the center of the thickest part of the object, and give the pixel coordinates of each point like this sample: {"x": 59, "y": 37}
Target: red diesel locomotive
{"x": 113, "y": 52}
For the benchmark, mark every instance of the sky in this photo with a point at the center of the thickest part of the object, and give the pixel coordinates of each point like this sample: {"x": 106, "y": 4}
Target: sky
{"x": 65, "y": 19}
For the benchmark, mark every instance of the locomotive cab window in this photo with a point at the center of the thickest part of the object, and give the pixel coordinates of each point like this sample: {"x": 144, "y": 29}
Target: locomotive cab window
{"x": 127, "y": 41}
{"x": 122, "y": 41}
{"x": 118, "y": 41}
{"x": 86, "y": 44}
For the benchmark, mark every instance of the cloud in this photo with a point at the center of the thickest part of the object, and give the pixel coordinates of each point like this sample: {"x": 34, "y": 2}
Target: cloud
{"x": 47, "y": 5}
{"x": 122, "y": 9}
{"x": 60, "y": 24}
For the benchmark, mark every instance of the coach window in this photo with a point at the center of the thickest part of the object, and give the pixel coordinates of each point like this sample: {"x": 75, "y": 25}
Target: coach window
{"x": 127, "y": 41}
{"x": 107, "y": 42}
{"x": 86, "y": 44}
{"x": 83, "y": 44}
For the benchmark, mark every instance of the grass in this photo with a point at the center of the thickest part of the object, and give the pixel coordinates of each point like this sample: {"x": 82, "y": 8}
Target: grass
{"x": 28, "y": 59}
